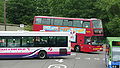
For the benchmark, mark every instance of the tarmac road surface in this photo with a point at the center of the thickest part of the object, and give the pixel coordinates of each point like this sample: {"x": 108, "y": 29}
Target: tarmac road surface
{"x": 75, "y": 60}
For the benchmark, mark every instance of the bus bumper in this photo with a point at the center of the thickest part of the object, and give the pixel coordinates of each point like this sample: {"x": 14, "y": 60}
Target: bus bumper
{"x": 57, "y": 54}
{"x": 114, "y": 65}
{"x": 97, "y": 49}
{"x": 92, "y": 49}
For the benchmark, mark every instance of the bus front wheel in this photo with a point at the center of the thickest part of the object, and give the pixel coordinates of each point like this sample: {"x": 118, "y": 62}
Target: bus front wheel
{"x": 77, "y": 48}
{"x": 42, "y": 54}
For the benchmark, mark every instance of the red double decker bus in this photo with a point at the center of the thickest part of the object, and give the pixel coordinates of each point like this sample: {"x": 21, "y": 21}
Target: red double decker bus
{"x": 86, "y": 34}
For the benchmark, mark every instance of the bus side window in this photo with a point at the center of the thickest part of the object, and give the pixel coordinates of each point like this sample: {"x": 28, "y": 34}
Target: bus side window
{"x": 40, "y": 41}
{"x": 27, "y": 41}
{"x": 58, "y": 22}
{"x": 77, "y": 23}
{"x": 51, "y": 21}
{"x": 13, "y": 41}
{"x": 46, "y": 21}
{"x": 86, "y": 24}
{"x": 2, "y": 42}
{"x": 52, "y": 41}
{"x": 67, "y": 22}
{"x": 62, "y": 41}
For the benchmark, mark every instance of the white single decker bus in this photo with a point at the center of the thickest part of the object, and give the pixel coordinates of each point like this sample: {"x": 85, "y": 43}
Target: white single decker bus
{"x": 23, "y": 44}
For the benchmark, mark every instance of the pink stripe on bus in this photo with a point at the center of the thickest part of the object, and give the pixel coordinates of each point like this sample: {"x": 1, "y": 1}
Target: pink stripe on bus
{"x": 52, "y": 52}
{"x": 57, "y": 52}
{"x": 68, "y": 52}
{"x": 15, "y": 53}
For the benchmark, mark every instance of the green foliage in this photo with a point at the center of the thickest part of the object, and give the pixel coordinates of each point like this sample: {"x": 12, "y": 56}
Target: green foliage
{"x": 72, "y": 8}
{"x": 23, "y": 11}
{"x": 114, "y": 27}
{"x": 110, "y": 8}
{"x": 28, "y": 28}
{"x": 42, "y": 8}
{"x": 1, "y": 11}
{"x": 20, "y": 11}
{"x": 110, "y": 15}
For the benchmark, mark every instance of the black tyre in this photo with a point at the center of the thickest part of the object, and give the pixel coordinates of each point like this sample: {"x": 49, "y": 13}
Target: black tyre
{"x": 42, "y": 55}
{"x": 77, "y": 48}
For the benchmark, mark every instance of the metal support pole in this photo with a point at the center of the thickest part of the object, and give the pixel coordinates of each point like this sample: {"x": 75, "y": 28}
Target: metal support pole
{"x": 5, "y": 14}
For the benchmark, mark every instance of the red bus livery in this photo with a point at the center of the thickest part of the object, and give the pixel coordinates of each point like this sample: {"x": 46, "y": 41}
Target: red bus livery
{"x": 86, "y": 34}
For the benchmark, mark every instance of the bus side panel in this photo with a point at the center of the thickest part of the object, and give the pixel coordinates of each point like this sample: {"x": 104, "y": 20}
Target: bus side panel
{"x": 80, "y": 39}
{"x": 18, "y": 52}
{"x": 33, "y": 52}
{"x": 54, "y": 51}
{"x": 37, "y": 27}
{"x": 79, "y": 42}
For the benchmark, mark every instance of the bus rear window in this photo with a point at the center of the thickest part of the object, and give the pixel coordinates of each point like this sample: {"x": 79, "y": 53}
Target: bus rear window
{"x": 38, "y": 21}
{"x": 116, "y": 43}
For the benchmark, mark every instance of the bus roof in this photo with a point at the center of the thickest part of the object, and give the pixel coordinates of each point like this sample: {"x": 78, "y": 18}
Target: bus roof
{"x": 113, "y": 38}
{"x": 32, "y": 33}
{"x": 65, "y": 18}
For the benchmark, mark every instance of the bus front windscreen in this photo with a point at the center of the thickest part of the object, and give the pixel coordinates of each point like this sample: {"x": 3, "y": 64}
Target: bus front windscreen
{"x": 97, "y": 40}
{"x": 97, "y": 24}
{"x": 115, "y": 53}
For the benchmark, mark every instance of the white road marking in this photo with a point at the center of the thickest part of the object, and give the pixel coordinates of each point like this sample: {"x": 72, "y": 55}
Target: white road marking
{"x": 60, "y": 61}
{"x": 87, "y": 58}
{"x": 90, "y": 58}
{"x": 103, "y": 58}
{"x": 97, "y": 58}
{"x": 57, "y": 66}
{"x": 73, "y": 53}
{"x": 77, "y": 58}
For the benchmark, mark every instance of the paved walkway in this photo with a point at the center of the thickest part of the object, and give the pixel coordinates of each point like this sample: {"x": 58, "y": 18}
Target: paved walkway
{"x": 10, "y": 27}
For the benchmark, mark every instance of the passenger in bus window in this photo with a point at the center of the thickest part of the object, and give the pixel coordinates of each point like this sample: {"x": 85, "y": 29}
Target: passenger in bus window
{"x": 28, "y": 43}
{"x": 94, "y": 42}
{"x": 14, "y": 43}
{"x": 2, "y": 43}
{"x": 88, "y": 41}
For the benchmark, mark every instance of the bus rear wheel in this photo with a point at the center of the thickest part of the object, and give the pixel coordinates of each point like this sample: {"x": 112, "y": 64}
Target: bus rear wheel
{"x": 42, "y": 54}
{"x": 77, "y": 48}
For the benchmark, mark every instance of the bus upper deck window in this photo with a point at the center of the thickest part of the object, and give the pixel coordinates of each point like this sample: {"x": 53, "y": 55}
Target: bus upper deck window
{"x": 86, "y": 24}
{"x": 38, "y": 20}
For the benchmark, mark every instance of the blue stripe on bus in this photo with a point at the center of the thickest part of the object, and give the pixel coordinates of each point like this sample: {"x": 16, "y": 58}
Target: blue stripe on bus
{"x": 57, "y": 55}
{"x": 19, "y": 56}
{"x": 34, "y": 51}
{"x": 16, "y": 56}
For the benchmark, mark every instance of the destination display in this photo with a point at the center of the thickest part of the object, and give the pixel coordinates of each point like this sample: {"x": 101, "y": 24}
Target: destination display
{"x": 116, "y": 43}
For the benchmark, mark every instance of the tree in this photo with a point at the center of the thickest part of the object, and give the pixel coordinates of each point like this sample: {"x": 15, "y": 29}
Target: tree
{"x": 110, "y": 14}
{"x": 114, "y": 27}
{"x": 110, "y": 8}
{"x": 1, "y": 11}
{"x": 20, "y": 11}
{"x": 73, "y": 8}
{"x": 42, "y": 8}
{"x": 23, "y": 11}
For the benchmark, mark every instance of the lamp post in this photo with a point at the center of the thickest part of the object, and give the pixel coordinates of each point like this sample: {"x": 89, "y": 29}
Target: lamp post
{"x": 5, "y": 14}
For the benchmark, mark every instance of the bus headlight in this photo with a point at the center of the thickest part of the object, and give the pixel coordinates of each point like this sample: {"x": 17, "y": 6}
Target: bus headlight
{"x": 115, "y": 66}
{"x": 101, "y": 48}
